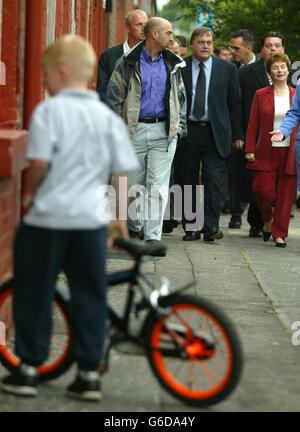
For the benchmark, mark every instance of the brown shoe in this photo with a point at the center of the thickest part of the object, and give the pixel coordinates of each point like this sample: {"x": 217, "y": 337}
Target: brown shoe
{"x": 212, "y": 236}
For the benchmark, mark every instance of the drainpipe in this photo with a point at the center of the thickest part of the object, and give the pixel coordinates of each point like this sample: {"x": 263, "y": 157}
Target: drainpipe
{"x": 33, "y": 48}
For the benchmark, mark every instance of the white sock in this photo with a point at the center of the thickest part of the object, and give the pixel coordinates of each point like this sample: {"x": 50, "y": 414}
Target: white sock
{"x": 89, "y": 375}
{"x": 28, "y": 370}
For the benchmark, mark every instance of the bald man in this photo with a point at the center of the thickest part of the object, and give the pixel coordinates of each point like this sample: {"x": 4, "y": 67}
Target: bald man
{"x": 147, "y": 90}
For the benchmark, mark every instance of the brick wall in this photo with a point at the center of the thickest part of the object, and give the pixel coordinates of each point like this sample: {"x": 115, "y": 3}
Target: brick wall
{"x": 12, "y": 163}
{"x": 12, "y": 141}
{"x": 11, "y": 41}
{"x": 7, "y": 213}
{"x": 23, "y": 89}
{"x": 85, "y": 17}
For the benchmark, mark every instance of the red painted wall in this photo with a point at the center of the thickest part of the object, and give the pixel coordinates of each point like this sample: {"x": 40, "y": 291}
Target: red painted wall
{"x": 23, "y": 90}
{"x": 12, "y": 141}
{"x": 24, "y": 29}
{"x": 11, "y": 41}
{"x": 12, "y": 162}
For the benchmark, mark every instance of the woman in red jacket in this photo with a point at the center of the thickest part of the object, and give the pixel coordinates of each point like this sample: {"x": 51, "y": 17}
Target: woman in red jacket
{"x": 274, "y": 163}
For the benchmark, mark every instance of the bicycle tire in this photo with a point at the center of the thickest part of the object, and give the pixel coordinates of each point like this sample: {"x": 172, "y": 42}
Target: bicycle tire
{"x": 59, "y": 360}
{"x": 208, "y": 348}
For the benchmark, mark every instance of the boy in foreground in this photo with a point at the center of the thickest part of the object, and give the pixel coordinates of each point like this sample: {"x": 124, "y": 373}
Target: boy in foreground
{"x": 75, "y": 144}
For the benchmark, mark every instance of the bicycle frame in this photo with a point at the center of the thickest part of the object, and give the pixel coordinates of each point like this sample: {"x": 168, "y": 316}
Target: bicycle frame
{"x": 130, "y": 276}
{"x": 121, "y": 321}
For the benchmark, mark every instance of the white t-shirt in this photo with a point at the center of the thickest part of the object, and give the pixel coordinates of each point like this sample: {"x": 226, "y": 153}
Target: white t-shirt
{"x": 282, "y": 105}
{"x": 84, "y": 142}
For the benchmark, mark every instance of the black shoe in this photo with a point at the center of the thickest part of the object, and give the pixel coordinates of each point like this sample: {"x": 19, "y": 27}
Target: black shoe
{"x": 169, "y": 225}
{"x": 22, "y": 382}
{"x": 225, "y": 208}
{"x": 255, "y": 232}
{"x": 281, "y": 245}
{"x": 211, "y": 236}
{"x": 298, "y": 202}
{"x": 191, "y": 235}
{"x": 234, "y": 224}
{"x": 85, "y": 389}
{"x": 136, "y": 234}
{"x": 161, "y": 252}
{"x": 266, "y": 235}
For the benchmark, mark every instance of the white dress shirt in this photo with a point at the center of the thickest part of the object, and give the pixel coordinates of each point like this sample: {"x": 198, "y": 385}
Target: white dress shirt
{"x": 195, "y": 72}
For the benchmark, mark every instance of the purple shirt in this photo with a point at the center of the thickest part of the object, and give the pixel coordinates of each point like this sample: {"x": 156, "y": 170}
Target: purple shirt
{"x": 154, "y": 79}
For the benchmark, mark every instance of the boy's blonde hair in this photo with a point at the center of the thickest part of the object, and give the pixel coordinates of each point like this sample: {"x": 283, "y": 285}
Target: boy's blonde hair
{"x": 73, "y": 51}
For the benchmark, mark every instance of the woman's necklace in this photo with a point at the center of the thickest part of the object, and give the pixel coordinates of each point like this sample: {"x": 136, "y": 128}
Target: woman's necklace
{"x": 281, "y": 91}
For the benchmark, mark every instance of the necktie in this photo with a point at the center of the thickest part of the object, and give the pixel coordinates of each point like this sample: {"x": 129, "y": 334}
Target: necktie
{"x": 199, "y": 104}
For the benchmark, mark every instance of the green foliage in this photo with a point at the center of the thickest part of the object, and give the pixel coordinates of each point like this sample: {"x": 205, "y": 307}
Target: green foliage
{"x": 178, "y": 16}
{"x": 258, "y": 16}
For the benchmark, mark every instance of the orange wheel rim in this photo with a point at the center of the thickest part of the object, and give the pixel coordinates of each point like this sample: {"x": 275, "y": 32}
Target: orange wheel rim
{"x": 193, "y": 377}
{"x": 60, "y": 340}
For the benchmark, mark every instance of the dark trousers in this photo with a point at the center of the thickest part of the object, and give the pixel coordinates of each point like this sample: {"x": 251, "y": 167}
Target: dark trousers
{"x": 236, "y": 206}
{"x": 199, "y": 146}
{"x": 254, "y": 217}
{"x": 40, "y": 254}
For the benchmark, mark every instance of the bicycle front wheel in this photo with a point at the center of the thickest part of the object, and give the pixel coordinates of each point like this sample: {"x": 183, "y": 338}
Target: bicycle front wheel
{"x": 194, "y": 350}
{"x": 59, "y": 354}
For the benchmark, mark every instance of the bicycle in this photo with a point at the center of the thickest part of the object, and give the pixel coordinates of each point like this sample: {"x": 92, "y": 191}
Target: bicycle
{"x": 192, "y": 347}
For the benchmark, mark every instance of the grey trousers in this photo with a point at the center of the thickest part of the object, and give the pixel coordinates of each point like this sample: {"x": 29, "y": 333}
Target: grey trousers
{"x": 149, "y": 184}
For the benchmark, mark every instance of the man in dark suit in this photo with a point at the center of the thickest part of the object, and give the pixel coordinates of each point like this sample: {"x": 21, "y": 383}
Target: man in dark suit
{"x": 135, "y": 21}
{"x": 241, "y": 44}
{"x": 213, "y": 113}
{"x": 254, "y": 77}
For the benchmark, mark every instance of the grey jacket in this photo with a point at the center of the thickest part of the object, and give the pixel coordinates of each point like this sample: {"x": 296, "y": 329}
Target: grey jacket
{"x": 124, "y": 91}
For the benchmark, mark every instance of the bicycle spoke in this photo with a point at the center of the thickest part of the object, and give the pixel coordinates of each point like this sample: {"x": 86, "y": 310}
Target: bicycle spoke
{"x": 60, "y": 340}
{"x": 193, "y": 373}
{"x": 200, "y": 367}
{"x": 209, "y": 372}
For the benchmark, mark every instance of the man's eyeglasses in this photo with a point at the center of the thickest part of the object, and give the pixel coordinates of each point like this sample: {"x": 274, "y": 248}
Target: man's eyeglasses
{"x": 209, "y": 43}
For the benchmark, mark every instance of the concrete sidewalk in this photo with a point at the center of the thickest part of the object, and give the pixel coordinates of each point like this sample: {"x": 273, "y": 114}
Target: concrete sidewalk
{"x": 255, "y": 283}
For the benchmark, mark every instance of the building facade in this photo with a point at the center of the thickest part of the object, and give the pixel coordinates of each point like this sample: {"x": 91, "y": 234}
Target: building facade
{"x": 26, "y": 28}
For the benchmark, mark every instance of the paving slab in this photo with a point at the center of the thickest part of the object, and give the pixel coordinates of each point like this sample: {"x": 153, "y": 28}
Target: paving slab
{"x": 253, "y": 282}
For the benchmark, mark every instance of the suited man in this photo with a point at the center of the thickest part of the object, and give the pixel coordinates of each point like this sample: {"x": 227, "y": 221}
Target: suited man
{"x": 213, "y": 113}
{"x": 135, "y": 21}
{"x": 241, "y": 44}
{"x": 254, "y": 77}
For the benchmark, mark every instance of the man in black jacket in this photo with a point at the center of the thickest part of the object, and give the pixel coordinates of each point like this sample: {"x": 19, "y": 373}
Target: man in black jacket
{"x": 213, "y": 114}
{"x": 241, "y": 44}
{"x": 135, "y": 21}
